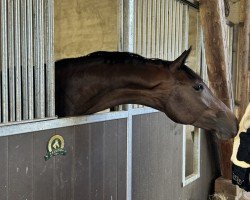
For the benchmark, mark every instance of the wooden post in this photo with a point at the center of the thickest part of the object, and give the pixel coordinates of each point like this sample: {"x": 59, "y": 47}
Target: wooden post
{"x": 244, "y": 40}
{"x": 213, "y": 23}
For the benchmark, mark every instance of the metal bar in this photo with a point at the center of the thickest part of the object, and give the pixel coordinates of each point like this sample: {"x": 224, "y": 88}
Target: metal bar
{"x": 144, "y": 27}
{"x": 17, "y": 61}
{"x": 180, "y": 28}
{"x": 170, "y": 7}
{"x": 12, "y": 92}
{"x": 50, "y": 68}
{"x": 162, "y": 28}
{"x": 36, "y": 57}
{"x": 41, "y": 63}
{"x": 149, "y": 22}
{"x": 25, "y": 102}
{"x": 139, "y": 27}
{"x": 177, "y": 33}
{"x": 173, "y": 30}
{"x": 30, "y": 59}
{"x": 157, "y": 34}
{"x": 120, "y": 25}
{"x": 4, "y": 61}
{"x": 185, "y": 25}
{"x": 129, "y": 17}
{"x": 153, "y": 30}
{"x": 129, "y": 27}
{"x": 165, "y": 41}
{"x": 0, "y": 95}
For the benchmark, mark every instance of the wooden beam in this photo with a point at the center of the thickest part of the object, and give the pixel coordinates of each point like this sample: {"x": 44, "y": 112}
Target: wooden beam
{"x": 244, "y": 51}
{"x": 213, "y": 22}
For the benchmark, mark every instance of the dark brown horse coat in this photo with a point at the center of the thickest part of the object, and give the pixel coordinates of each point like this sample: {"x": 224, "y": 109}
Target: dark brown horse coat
{"x": 102, "y": 80}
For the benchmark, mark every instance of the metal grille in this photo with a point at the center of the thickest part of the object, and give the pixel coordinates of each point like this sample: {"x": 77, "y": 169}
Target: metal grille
{"x": 161, "y": 29}
{"x": 26, "y": 57}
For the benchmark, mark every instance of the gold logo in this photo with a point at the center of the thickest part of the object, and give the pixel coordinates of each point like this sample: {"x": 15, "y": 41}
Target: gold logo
{"x": 55, "y": 147}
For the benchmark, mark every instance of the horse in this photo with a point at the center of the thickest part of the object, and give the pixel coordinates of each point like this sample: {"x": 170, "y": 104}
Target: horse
{"x": 102, "y": 80}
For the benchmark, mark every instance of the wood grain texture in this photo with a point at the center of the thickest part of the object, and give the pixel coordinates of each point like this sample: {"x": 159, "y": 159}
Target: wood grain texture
{"x": 64, "y": 173}
{"x": 163, "y": 157}
{"x": 110, "y": 160}
{"x": 82, "y": 165}
{"x": 20, "y": 167}
{"x": 213, "y": 25}
{"x": 43, "y": 176}
{"x": 121, "y": 159}
{"x": 4, "y": 168}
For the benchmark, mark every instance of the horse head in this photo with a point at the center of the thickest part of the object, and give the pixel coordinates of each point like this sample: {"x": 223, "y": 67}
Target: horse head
{"x": 192, "y": 102}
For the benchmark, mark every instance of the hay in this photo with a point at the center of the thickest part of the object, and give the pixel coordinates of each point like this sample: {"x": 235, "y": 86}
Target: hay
{"x": 218, "y": 197}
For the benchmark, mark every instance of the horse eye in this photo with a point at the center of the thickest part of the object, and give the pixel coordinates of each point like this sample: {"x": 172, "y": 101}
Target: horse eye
{"x": 198, "y": 87}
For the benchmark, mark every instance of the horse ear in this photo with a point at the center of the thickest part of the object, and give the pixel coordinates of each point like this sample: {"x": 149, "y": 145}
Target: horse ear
{"x": 178, "y": 62}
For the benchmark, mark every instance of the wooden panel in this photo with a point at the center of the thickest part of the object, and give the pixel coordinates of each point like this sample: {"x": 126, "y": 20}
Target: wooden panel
{"x": 136, "y": 158}
{"x": 43, "y": 176}
{"x": 82, "y": 164}
{"x": 20, "y": 166}
{"x": 110, "y": 160}
{"x": 100, "y": 156}
{"x": 157, "y": 161}
{"x": 155, "y": 189}
{"x": 121, "y": 162}
{"x": 64, "y": 167}
{"x": 144, "y": 153}
{"x": 4, "y": 168}
{"x": 96, "y": 170}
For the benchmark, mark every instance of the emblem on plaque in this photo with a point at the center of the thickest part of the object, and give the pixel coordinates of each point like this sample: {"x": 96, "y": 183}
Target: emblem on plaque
{"x": 55, "y": 147}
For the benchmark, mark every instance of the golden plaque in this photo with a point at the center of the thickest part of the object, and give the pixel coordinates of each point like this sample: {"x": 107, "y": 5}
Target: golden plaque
{"x": 55, "y": 147}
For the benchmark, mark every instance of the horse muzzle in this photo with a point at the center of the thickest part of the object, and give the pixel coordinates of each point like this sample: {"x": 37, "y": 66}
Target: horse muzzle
{"x": 224, "y": 124}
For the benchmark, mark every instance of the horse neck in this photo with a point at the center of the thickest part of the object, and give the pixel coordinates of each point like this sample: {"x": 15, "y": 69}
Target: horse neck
{"x": 132, "y": 84}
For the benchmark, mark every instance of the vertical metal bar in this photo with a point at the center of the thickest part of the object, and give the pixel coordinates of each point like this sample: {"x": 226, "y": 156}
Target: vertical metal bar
{"x": 39, "y": 59}
{"x": 185, "y": 25}
{"x": 162, "y": 28}
{"x": 0, "y": 92}
{"x": 144, "y": 27}
{"x": 139, "y": 27}
{"x": 149, "y": 15}
{"x": 18, "y": 60}
{"x": 170, "y": 17}
{"x": 129, "y": 26}
{"x": 4, "y": 61}
{"x": 50, "y": 68}
{"x": 37, "y": 49}
{"x": 12, "y": 93}
{"x": 30, "y": 59}
{"x": 153, "y": 33}
{"x": 180, "y": 28}
{"x": 25, "y": 102}
{"x": 177, "y": 33}
{"x": 0, "y": 96}
{"x": 42, "y": 63}
{"x": 120, "y": 25}
{"x": 166, "y": 35}
{"x": 157, "y": 35}
{"x": 173, "y": 30}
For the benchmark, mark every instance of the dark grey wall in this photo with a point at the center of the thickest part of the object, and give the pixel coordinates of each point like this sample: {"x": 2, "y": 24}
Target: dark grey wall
{"x": 157, "y": 161}
{"x": 95, "y": 165}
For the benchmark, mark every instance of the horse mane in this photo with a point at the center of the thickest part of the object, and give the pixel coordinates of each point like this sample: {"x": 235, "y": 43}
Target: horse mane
{"x": 116, "y": 57}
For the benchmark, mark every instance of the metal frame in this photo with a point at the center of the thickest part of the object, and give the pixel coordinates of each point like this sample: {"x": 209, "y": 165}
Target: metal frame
{"x": 51, "y": 123}
{"x": 27, "y": 61}
{"x": 196, "y": 162}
